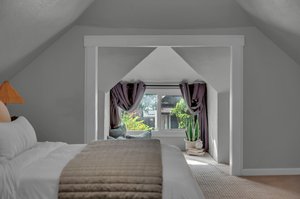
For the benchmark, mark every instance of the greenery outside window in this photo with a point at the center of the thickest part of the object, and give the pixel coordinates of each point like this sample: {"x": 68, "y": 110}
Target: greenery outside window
{"x": 162, "y": 110}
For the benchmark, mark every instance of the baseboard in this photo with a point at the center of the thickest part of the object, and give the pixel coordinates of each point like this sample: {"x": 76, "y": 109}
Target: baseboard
{"x": 270, "y": 171}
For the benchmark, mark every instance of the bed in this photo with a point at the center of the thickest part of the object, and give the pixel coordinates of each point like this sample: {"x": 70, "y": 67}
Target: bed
{"x": 34, "y": 173}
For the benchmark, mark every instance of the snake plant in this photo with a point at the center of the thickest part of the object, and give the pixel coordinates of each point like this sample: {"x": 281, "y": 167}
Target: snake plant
{"x": 192, "y": 130}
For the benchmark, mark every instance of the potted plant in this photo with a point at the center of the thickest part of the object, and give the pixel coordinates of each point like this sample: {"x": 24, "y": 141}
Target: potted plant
{"x": 192, "y": 133}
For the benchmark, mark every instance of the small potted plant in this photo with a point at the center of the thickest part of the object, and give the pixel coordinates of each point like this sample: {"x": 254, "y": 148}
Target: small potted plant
{"x": 192, "y": 133}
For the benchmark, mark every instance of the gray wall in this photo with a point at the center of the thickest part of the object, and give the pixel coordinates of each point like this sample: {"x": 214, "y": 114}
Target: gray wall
{"x": 218, "y": 124}
{"x": 52, "y": 86}
{"x": 212, "y": 114}
{"x": 223, "y": 127}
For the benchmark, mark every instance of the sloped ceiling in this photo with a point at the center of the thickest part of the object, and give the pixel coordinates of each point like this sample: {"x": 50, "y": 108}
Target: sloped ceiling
{"x": 27, "y": 25}
{"x": 283, "y": 14}
{"x": 213, "y": 63}
{"x": 164, "y": 14}
{"x": 279, "y": 20}
{"x": 115, "y": 63}
{"x": 172, "y": 68}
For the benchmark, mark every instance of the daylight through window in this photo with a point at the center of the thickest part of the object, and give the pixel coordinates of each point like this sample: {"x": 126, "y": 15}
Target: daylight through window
{"x": 159, "y": 109}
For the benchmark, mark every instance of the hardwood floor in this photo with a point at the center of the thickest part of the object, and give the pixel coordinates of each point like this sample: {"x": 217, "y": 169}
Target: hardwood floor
{"x": 288, "y": 183}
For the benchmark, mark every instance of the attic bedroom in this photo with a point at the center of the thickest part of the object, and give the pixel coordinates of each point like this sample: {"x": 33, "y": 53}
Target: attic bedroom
{"x": 63, "y": 64}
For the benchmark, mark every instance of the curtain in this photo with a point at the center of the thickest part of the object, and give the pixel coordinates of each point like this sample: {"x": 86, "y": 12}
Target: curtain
{"x": 195, "y": 98}
{"x": 127, "y": 96}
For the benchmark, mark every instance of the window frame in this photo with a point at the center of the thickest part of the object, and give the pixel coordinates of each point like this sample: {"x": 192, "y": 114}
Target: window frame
{"x": 161, "y": 132}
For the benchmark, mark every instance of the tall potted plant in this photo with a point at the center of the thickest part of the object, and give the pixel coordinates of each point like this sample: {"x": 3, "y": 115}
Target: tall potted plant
{"x": 192, "y": 133}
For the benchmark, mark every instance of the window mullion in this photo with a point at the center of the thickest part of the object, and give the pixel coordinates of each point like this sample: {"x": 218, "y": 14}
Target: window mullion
{"x": 159, "y": 96}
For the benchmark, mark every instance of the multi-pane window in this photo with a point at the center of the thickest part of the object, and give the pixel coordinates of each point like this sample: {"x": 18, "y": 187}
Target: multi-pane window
{"x": 159, "y": 109}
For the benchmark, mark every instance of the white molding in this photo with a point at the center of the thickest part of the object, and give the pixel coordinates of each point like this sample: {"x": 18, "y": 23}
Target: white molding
{"x": 235, "y": 42}
{"x": 160, "y": 134}
{"x": 91, "y": 95}
{"x": 164, "y": 40}
{"x": 271, "y": 171}
{"x": 106, "y": 115}
{"x": 236, "y": 110}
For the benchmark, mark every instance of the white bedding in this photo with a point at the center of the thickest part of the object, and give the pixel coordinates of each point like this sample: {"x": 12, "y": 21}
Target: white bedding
{"x": 35, "y": 173}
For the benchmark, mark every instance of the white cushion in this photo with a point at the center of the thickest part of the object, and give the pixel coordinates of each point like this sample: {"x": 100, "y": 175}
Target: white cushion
{"x": 16, "y": 137}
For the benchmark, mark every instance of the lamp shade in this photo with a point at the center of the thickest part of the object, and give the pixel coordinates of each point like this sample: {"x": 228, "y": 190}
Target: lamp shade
{"x": 9, "y": 95}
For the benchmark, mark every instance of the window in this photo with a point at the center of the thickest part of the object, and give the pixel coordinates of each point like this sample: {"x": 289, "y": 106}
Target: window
{"x": 161, "y": 110}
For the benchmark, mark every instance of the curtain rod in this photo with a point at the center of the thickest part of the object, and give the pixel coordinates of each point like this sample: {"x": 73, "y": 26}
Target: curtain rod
{"x": 168, "y": 84}
{"x": 163, "y": 85}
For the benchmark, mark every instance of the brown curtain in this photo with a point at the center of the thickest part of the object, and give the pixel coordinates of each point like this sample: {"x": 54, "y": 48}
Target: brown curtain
{"x": 127, "y": 96}
{"x": 195, "y": 98}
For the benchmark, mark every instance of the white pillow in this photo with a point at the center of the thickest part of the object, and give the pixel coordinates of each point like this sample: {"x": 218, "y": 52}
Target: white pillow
{"x": 16, "y": 137}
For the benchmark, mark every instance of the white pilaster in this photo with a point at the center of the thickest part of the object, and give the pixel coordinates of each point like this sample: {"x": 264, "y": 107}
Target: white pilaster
{"x": 91, "y": 94}
{"x": 236, "y": 110}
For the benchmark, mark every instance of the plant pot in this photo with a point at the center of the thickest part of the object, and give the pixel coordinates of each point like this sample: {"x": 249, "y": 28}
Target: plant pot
{"x": 189, "y": 144}
{"x": 199, "y": 144}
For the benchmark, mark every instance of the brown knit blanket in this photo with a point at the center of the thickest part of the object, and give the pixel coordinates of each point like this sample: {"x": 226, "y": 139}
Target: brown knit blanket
{"x": 114, "y": 169}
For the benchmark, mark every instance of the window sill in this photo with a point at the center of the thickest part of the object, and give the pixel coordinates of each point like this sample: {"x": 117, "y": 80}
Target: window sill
{"x": 158, "y": 134}
{"x": 161, "y": 134}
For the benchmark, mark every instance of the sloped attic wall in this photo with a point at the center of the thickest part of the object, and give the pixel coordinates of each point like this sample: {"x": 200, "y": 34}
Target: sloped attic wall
{"x": 279, "y": 20}
{"x": 28, "y": 27}
{"x": 53, "y": 85}
{"x": 163, "y": 65}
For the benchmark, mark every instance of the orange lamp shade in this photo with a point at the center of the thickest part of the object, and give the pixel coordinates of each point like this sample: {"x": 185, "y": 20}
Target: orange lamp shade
{"x": 9, "y": 95}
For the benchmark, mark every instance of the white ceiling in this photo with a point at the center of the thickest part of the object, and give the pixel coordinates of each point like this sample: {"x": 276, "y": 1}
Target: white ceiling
{"x": 25, "y": 25}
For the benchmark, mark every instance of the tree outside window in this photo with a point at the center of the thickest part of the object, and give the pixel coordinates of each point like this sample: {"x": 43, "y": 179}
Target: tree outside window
{"x": 158, "y": 112}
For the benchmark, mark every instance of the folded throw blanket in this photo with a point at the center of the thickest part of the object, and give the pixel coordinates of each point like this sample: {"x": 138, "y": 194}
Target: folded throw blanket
{"x": 114, "y": 169}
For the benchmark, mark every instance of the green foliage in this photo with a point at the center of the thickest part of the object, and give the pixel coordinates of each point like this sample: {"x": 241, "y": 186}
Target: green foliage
{"x": 182, "y": 113}
{"x": 133, "y": 122}
{"x": 192, "y": 131}
{"x": 148, "y": 102}
{"x": 186, "y": 120}
{"x": 197, "y": 129}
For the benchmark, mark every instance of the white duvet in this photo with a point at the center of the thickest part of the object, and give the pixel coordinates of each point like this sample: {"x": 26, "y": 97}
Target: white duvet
{"x": 34, "y": 174}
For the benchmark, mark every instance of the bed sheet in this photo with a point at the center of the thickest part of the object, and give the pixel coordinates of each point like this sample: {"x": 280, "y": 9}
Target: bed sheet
{"x": 35, "y": 173}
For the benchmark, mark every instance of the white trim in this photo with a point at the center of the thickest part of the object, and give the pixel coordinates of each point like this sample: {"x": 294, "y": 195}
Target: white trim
{"x": 176, "y": 134}
{"x": 160, "y": 134}
{"x": 106, "y": 115}
{"x": 161, "y": 92}
{"x": 236, "y": 110}
{"x": 235, "y": 42}
{"x": 91, "y": 95}
{"x": 163, "y": 40}
{"x": 271, "y": 171}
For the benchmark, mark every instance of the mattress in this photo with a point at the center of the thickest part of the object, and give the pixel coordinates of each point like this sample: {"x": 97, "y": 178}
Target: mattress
{"x": 34, "y": 174}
